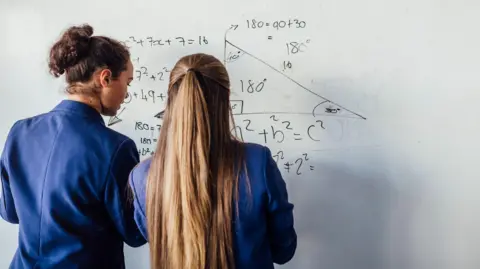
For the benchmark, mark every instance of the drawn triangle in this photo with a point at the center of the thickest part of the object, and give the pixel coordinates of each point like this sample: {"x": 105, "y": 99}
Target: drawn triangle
{"x": 114, "y": 120}
{"x": 267, "y": 89}
{"x": 159, "y": 115}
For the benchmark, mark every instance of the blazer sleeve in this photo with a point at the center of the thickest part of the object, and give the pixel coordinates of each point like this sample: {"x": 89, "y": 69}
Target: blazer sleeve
{"x": 281, "y": 231}
{"x": 118, "y": 196}
{"x": 139, "y": 202}
{"x": 7, "y": 205}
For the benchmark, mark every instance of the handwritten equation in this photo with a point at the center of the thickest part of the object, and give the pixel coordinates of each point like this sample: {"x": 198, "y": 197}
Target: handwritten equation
{"x": 143, "y": 73}
{"x": 146, "y": 95}
{"x": 278, "y": 130}
{"x": 276, "y": 24}
{"x": 148, "y": 137}
{"x": 152, "y": 42}
{"x": 297, "y": 165}
{"x": 150, "y": 84}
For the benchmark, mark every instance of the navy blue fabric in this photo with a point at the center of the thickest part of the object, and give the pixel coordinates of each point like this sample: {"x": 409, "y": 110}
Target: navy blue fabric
{"x": 64, "y": 180}
{"x": 264, "y": 229}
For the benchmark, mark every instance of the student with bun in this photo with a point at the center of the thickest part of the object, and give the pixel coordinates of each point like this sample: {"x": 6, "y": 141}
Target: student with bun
{"x": 205, "y": 199}
{"x": 64, "y": 174}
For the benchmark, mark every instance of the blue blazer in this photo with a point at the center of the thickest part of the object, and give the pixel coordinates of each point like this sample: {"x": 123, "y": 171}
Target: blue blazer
{"x": 264, "y": 231}
{"x": 64, "y": 180}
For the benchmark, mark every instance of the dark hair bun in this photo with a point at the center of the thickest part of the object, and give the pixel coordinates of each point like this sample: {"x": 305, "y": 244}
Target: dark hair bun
{"x": 70, "y": 49}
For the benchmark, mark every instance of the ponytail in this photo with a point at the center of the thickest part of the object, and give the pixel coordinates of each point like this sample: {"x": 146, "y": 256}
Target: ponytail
{"x": 192, "y": 179}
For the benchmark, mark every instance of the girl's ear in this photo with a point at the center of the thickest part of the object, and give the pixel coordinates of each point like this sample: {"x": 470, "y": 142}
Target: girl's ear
{"x": 105, "y": 77}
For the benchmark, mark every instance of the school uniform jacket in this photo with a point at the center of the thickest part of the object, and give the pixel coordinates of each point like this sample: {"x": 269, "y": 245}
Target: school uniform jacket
{"x": 264, "y": 231}
{"x": 64, "y": 180}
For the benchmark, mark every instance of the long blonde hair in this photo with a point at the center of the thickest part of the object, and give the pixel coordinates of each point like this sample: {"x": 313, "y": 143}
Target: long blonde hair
{"x": 193, "y": 178}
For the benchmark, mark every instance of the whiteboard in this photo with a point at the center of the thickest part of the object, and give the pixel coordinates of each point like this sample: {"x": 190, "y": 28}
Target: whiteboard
{"x": 369, "y": 107}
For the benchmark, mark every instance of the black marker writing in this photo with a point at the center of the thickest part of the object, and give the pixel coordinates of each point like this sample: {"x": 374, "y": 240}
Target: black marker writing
{"x": 251, "y": 87}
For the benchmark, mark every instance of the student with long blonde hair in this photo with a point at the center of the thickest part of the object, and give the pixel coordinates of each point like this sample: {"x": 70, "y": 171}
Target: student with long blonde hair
{"x": 206, "y": 200}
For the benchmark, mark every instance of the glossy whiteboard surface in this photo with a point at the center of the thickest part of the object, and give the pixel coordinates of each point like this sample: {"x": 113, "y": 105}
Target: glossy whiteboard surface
{"x": 371, "y": 109}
